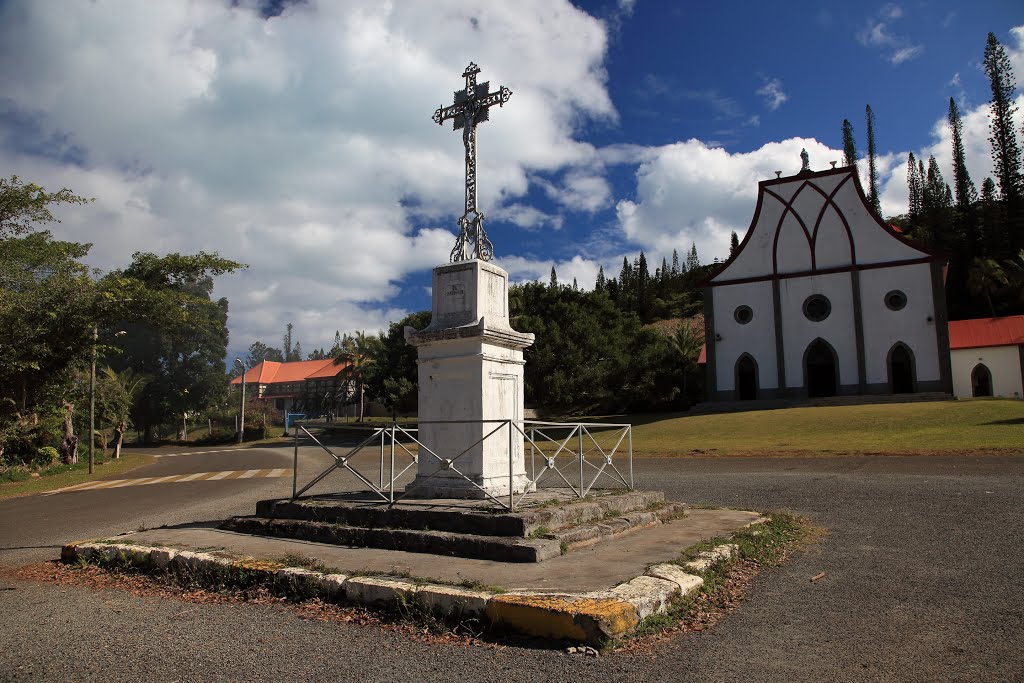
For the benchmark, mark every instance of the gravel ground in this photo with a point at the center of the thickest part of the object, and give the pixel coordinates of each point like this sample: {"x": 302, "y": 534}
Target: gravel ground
{"x": 923, "y": 559}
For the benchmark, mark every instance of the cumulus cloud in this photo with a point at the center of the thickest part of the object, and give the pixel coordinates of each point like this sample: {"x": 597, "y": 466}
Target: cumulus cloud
{"x": 301, "y": 143}
{"x": 691, "y": 192}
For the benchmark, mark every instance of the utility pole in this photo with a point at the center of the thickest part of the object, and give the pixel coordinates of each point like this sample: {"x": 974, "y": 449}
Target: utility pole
{"x": 92, "y": 399}
{"x": 241, "y": 411}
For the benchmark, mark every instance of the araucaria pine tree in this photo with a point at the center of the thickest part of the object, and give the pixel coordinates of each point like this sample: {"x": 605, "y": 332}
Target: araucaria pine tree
{"x": 872, "y": 170}
{"x": 1005, "y": 151}
{"x": 734, "y": 243}
{"x": 849, "y": 146}
{"x": 963, "y": 187}
{"x": 915, "y": 186}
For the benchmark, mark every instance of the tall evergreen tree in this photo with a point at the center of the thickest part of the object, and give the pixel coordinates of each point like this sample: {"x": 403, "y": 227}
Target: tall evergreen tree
{"x": 966, "y": 194}
{"x": 849, "y": 146}
{"x": 1005, "y": 152}
{"x": 692, "y": 261}
{"x": 734, "y": 243}
{"x": 675, "y": 262}
{"x": 599, "y": 286}
{"x": 915, "y": 186}
{"x": 554, "y": 278}
{"x": 872, "y": 169}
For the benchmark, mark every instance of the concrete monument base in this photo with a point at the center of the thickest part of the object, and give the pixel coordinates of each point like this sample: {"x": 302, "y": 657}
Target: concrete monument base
{"x": 470, "y": 386}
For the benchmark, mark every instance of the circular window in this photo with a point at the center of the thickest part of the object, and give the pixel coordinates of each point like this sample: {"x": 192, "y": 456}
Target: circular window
{"x": 817, "y": 308}
{"x": 895, "y": 300}
{"x": 743, "y": 314}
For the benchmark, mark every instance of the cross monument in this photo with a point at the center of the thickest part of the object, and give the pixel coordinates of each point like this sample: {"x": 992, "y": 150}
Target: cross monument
{"x": 472, "y": 106}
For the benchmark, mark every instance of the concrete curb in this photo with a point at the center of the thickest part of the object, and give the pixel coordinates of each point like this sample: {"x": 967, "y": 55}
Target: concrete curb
{"x": 592, "y": 618}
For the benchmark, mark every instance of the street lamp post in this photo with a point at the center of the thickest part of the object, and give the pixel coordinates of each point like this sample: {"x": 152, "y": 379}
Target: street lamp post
{"x": 92, "y": 399}
{"x": 241, "y": 412}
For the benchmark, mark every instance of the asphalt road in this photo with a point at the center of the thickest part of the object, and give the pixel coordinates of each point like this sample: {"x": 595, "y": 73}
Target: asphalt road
{"x": 924, "y": 561}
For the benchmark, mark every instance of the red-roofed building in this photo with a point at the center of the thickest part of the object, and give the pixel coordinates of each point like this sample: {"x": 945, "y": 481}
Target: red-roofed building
{"x": 988, "y": 356}
{"x": 313, "y": 387}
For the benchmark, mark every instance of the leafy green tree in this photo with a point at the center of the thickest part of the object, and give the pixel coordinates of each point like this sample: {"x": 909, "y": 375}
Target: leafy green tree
{"x": 392, "y": 378}
{"x": 985, "y": 278}
{"x": 872, "y": 169}
{"x": 178, "y": 336}
{"x": 259, "y": 352}
{"x": 24, "y": 206}
{"x": 49, "y": 303}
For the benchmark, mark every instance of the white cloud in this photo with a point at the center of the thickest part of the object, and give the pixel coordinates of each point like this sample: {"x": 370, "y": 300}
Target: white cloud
{"x": 528, "y": 217}
{"x": 300, "y": 144}
{"x": 772, "y": 93}
{"x": 691, "y": 192}
{"x": 877, "y": 32}
{"x": 582, "y": 269}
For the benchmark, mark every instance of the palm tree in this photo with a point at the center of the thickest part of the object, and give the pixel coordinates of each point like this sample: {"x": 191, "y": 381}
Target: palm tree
{"x": 686, "y": 341}
{"x": 124, "y": 386}
{"x": 357, "y": 357}
{"x": 984, "y": 278}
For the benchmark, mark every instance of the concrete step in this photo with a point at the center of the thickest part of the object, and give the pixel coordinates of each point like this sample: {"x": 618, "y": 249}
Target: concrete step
{"x": 583, "y": 535}
{"x": 542, "y": 545}
{"x": 497, "y": 548}
{"x": 549, "y": 509}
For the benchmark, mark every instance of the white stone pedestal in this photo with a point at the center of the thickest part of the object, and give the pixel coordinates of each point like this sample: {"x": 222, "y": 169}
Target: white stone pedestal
{"x": 471, "y": 369}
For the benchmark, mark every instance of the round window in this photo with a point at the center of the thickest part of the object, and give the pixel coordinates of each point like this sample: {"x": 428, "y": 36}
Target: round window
{"x": 817, "y": 308}
{"x": 895, "y": 300}
{"x": 743, "y": 314}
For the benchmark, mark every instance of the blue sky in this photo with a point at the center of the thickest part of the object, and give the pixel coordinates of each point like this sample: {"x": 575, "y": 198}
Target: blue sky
{"x": 299, "y": 140}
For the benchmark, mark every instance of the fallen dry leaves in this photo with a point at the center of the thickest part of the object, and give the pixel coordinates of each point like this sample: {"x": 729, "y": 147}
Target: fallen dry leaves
{"x": 143, "y": 585}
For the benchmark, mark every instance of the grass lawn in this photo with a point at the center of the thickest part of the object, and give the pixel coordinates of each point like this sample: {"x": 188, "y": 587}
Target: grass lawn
{"x": 127, "y": 461}
{"x": 982, "y": 426}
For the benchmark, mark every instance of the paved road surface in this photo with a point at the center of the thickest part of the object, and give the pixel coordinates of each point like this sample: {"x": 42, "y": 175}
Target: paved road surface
{"x": 924, "y": 561}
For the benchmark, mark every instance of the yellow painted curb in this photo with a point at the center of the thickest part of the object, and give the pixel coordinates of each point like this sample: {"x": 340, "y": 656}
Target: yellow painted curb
{"x": 588, "y": 620}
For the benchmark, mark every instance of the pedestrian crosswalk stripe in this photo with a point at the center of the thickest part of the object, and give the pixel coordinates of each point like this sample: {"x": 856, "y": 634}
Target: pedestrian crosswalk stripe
{"x": 175, "y": 478}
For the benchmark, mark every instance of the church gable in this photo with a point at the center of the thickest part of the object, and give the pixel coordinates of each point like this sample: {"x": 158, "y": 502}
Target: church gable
{"x": 815, "y": 222}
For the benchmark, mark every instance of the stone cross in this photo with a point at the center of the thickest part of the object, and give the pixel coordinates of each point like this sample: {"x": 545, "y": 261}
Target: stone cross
{"x": 472, "y": 106}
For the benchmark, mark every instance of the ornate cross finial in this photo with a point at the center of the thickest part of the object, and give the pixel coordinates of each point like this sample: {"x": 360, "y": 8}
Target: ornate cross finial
{"x": 471, "y": 107}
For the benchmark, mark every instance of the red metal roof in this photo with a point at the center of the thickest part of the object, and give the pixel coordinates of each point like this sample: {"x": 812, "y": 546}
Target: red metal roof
{"x": 970, "y": 334}
{"x": 272, "y": 372}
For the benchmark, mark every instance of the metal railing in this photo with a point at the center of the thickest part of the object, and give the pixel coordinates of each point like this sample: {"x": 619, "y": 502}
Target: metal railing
{"x": 558, "y": 446}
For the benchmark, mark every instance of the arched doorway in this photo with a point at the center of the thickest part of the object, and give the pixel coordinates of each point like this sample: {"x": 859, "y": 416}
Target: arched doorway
{"x": 981, "y": 380}
{"x": 901, "y": 369}
{"x": 820, "y": 369}
{"x": 746, "y": 378}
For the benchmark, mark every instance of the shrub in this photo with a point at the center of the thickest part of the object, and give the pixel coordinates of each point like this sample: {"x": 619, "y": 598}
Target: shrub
{"x": 45, "y": 457}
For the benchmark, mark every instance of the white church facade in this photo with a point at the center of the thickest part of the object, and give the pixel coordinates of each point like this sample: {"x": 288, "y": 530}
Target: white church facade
{"x": 822, "y": 298}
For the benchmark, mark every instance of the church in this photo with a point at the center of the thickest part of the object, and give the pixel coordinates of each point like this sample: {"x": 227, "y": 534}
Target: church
{"x": 822, "y": 298}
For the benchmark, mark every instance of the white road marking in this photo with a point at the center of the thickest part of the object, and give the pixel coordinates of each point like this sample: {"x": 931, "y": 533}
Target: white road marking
{"x": 173, "y": 478}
